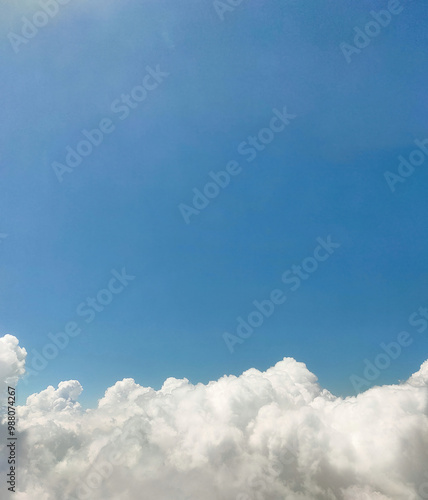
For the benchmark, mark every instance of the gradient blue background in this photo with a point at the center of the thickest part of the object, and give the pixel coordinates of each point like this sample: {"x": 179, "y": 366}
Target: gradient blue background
{"x": 323, "y": 175}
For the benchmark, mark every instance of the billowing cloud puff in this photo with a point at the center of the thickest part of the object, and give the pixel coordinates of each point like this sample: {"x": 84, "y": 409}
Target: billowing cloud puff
{"x": 51, "y": 401}
{"x": 263, "y": 435}
{"x": 12, "y": 360}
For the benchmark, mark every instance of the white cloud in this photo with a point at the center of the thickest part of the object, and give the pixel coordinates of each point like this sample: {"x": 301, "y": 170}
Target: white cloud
{"x": 12, "y": 360}
{"x": 262, "y": 435}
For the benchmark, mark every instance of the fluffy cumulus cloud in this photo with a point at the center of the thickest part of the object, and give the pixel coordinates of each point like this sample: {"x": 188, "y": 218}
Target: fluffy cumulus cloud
{"x": 12, "y": 360}
{"x": 263, "y": 435}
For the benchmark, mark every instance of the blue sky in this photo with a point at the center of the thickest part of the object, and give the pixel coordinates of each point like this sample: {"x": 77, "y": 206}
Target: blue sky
{"x": 322, "y": 175}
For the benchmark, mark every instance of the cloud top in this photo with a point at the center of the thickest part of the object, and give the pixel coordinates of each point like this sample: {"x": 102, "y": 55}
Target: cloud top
{"x": 12, "y": 360}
